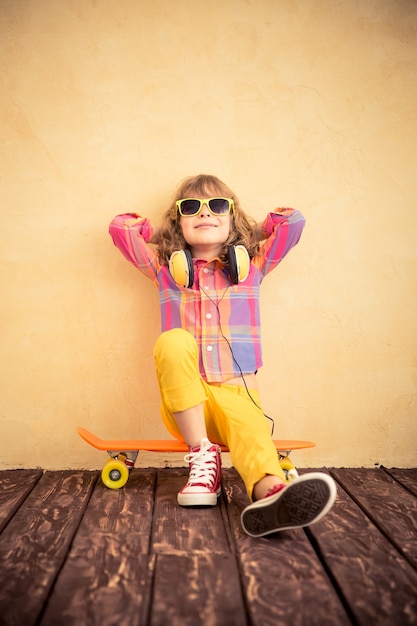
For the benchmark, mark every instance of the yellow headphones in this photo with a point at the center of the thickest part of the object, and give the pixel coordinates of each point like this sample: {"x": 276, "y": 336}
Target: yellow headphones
{"x": 182, "y": 270}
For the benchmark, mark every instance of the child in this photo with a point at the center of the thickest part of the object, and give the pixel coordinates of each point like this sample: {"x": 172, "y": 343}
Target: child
{"x": 208, "y": 265}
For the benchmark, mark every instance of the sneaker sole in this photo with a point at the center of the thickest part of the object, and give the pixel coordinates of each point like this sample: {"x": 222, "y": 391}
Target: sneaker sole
{"x": 303, "y": 502}
{"x": 197, "y": 499}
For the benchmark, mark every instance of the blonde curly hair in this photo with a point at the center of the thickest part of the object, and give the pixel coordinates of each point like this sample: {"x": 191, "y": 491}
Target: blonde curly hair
{"x": 170, "y": 236}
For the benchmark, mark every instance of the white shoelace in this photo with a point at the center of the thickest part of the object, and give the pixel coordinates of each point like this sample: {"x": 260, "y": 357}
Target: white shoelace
{"x": 203, "y": 467}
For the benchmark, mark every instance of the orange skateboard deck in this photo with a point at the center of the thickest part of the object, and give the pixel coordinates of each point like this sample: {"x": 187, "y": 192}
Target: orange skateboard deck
{"x": 172, "y": 445}
{"x": 123, "y": 453}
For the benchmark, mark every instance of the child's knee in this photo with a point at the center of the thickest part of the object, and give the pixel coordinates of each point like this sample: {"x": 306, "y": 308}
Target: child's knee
{"x": 172, "y": 344}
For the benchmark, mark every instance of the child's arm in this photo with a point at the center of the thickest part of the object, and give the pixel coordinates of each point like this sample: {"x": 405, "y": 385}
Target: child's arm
{"x": 132, "y": 235}
{"x": 282, "y": 230}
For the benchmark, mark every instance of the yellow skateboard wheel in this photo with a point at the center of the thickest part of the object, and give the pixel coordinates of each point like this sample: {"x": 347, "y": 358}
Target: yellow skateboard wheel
{"x": 115, "y": 474}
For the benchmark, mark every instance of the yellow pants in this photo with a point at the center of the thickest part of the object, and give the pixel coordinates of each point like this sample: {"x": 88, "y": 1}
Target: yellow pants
{"x": 231, "y": 416}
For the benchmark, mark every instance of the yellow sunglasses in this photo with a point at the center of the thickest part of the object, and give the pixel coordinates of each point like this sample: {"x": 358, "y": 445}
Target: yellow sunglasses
{"x": 188, "y": 207}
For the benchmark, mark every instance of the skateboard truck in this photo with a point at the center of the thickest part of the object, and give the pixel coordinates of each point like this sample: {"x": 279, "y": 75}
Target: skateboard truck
{"x": 127, "y": 456}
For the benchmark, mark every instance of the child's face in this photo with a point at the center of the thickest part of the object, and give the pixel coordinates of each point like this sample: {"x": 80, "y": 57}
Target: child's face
{"x": 205, "y": 233}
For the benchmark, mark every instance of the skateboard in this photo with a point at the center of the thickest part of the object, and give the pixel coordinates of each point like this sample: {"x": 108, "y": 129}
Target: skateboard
{"x": 123, "y": 454}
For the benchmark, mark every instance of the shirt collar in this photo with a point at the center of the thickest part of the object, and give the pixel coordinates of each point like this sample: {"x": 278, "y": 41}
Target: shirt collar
{"x": 216, "y": 261}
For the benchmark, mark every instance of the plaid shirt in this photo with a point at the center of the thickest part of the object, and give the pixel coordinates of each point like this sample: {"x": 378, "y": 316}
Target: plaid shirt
{"x": 223, "y": 317}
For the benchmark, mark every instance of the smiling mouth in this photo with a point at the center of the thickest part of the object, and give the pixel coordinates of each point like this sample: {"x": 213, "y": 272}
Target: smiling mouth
{"x": 206, "y": 226}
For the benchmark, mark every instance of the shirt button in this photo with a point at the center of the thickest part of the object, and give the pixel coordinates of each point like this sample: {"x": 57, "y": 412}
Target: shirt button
{"x": 208, "y": 316}
{"x": 209, "y": 348}
{"x": 205, "y": 270}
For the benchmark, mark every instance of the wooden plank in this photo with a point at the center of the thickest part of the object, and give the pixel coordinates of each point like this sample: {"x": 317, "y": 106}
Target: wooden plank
{"x": 107, "y": 576}
{"x": 378, "y": 585}
{"x": 406, "y": 477}
{"x": 392, "y": 508}
{"x": 283, "y": 579}
{"x": 183, "y": 529}
{"x": 15, "y": 485}
{"x": 196, "y": 577}
{"x": 34, "y": 544}
{"x": 197, "y": 589}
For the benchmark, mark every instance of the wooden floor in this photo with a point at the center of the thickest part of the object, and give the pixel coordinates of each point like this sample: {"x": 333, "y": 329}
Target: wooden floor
{"x": 75, "y": 552}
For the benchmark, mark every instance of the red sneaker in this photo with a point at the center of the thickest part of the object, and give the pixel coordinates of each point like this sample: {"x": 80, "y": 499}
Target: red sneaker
{"x": 301, "y": 503}
{"x": 203, "y": 486}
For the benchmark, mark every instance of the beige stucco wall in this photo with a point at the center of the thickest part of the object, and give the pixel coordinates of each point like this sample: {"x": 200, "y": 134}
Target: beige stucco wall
{"x": 105, "y": 106}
